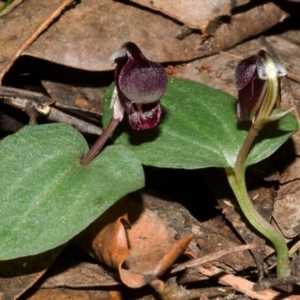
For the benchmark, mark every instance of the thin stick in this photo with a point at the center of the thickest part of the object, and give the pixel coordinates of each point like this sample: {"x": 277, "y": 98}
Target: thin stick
{"x": 210, "y": 257}
{"x": 244, "y": 286}
{"x": 100, "y": 142}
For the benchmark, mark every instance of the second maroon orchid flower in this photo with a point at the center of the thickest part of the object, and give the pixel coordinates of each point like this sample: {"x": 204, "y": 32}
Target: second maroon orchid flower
{"x": 257, "y": 81}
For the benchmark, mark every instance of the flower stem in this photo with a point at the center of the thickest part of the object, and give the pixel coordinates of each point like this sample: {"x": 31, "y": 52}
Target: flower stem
{"x": 95, "y": 149}
{"x": 236, "y": 178}
{"x": 244, "y": 151}
{"x": 237, "y": 183}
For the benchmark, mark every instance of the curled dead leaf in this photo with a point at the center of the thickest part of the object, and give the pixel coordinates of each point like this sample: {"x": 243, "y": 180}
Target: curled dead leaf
{"x": 135, "y": 241}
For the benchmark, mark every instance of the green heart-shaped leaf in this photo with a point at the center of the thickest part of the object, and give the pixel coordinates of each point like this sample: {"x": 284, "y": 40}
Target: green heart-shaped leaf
{"x": 199, "y": 129}
{"x": 47, "y": 197}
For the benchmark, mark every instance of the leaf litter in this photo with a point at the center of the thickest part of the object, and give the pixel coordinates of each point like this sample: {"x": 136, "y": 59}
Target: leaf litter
{"x": 82, "y": 52}
{"x": 79, "y": 27}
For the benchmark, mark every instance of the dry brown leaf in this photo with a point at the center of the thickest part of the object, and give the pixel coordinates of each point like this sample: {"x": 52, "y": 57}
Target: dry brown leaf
{"x": 203, "y": 15}
{"x": 18, "y": 275}
{"x": 287, "y": 209}
{"x": 192, "y": 13}
{"x": 141, "y": 250}
{"x": 21, "y": 26}
{"x": 209, "y": 237}
{"x": 80, "y": 275}
{"x": 73, "y": 269}
{"x": 87, "y": 35}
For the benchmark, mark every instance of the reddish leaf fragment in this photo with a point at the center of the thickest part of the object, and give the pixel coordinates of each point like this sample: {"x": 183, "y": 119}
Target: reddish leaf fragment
{"x": 141, "y": 251}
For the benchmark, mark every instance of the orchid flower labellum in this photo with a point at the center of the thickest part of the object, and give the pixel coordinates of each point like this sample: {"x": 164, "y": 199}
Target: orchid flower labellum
{"x": 140, "y": 84}
{"x": 257, "y": 82}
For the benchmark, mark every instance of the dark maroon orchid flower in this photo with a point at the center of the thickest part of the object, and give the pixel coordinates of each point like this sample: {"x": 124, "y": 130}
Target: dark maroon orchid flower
{"x": 257, "y": 82}
{"x": 140, "y": 83}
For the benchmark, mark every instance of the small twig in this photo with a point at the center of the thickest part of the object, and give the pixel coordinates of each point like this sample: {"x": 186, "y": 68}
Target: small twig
{"x": 273, "y": 282}
{"x": 210, "y": 257}
{"x": 243, "y": 285}
{"x": 23, "y": 100}
{"x": 294, "y": 249}
{"x": 175, "y": 292}
{"x": 83, "y": 126}
{"x": 31, "y": 112}
{"x": 39, "y": 98}
{"x": 56, "y": 115}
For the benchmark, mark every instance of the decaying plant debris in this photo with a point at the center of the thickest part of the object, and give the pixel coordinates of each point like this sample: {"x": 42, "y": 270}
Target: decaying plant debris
{"x": 54, "y": 56}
